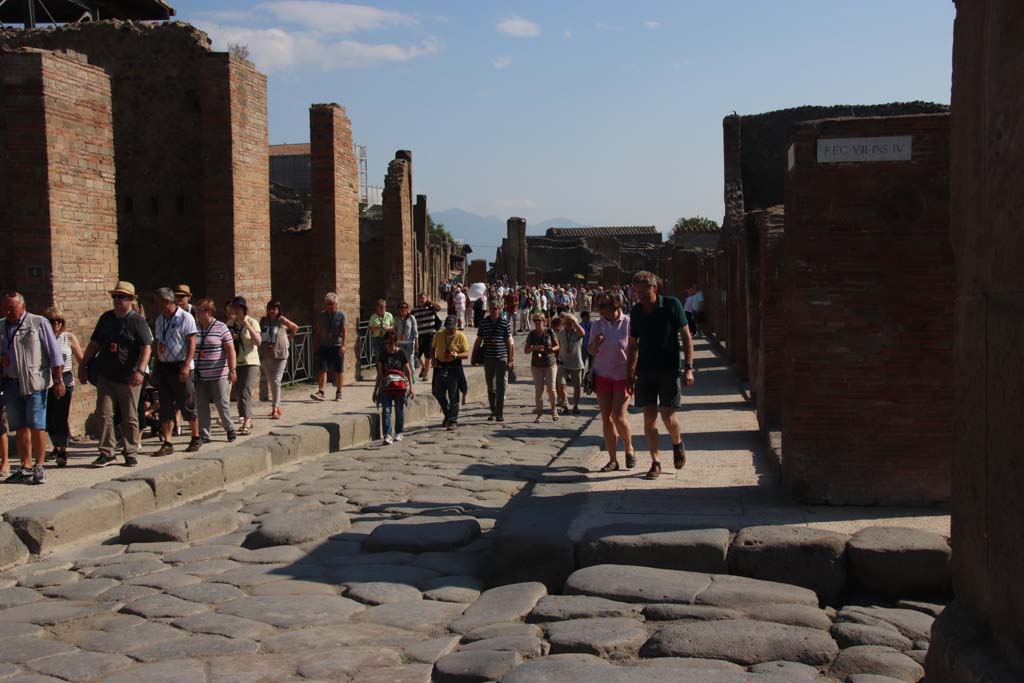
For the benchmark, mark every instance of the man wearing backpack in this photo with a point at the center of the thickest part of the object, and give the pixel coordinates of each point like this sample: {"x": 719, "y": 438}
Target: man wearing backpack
{"x": 394, "y": 383}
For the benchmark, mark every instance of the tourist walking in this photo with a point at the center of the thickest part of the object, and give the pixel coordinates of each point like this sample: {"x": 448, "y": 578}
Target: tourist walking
{"x": 494, "y": 343}
{"x": 586, "y": 325}
{"x": 459, "y": 304}
{"x": 450, "y": 348}
{"x": 32, "y": 362}
{"x": 183, "y": 297}
{"x": 407, "y": 331}
{"x": 688, "y": 309}
{"x": 426, "y": 327}
{"x": 215, "y": 370}
{"x": 382, "y": 321}
{"x": 656, "y": 372}
{"x": 172, "y": 374}
{"x": 570, "y": 360}
{"x": 276, "y": 334}
{"x": 331, "y": 333}
{"x": 120, "y": 347}
{"x": 511, "y": 302}
{"x": 394, "y": 384}
{"x": 542, "y": 347}
{"x": 245, "y": 332}
{"x": 58, "y": 410}
{"x": 609, "y": 342}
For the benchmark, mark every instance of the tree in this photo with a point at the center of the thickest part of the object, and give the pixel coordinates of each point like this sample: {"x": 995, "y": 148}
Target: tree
{"x": 694, "y": 224}
{"x": 437, "y": 231}
{"x": 240, "y": 50}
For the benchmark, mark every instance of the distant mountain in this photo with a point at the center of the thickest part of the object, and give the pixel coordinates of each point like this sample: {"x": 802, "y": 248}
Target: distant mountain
{"x": 484, "y": 233}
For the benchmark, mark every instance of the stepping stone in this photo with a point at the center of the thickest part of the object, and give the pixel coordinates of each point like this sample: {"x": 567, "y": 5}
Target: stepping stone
{"x": 912, "y": 624}
{"x": 294, "y": 529}
{"x": 794, "y": 671}
{"x": 527, "y": 646}
{"x": 637, "y": 584}
{"x": 899, "y": 562}
{"x": 475, "y": 667}
{"x": 611, "y": 638}
{"x": 505, "y": 603}
{"x": 514, "y": 628}
{"x": 794, "y": 615}
{"x": 740, "y": 592}
{"x": 465, "y": 589}
{"x": 702, "y": 550}
{"x": 851, "y": 635}
{"x": 347, "y": 662}
{"x": 880, "y": 661}
{"x": 81, "y": 666}
{"x": 295, "y": 610}
{"x": 414, "y": 615}
{"x": 663, "y": 612}
{"x": 812, "y": 558}
{"x": 381, "y": 593}
{"x": 743, "y": 642}
{"x": 429, "y": 651}
{"x": 563, "y": 607}
{"x": 163, "y": 606}
{"x": 423, "y": 534}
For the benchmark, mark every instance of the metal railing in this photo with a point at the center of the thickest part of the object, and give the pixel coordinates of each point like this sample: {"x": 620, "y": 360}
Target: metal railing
{"x": 366, "y": 356}
{"x": 300, "y": 367}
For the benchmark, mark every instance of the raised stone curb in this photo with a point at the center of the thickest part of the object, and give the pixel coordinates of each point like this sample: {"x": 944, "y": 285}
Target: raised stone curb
{"x": 802, "y": 556}
{"x": 240, "y": 462}
{"x": 137, "y": 497}
{"x": 176, "y": 482}
{"x": 12, "y": 550}
{"x": 900, "y": 562}
{"x": 77, "y": 514}
{"x": 701, "y": 550}
{"x": 184, "y": 524}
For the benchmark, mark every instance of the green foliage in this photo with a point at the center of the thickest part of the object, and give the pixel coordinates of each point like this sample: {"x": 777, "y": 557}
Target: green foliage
{"x": 694, "y": 224}
{"x": 436, "y": 231}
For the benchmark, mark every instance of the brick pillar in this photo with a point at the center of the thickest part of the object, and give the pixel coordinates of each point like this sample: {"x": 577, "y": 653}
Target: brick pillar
{"x": 236, "y": 185}
{"x": 752, "y": 285}
{"x": 419, "y": 220}
{"x": 334, "y": 257}
{"x": 980, "y": 637}
{"x": 517, "y": 249}
{"x": 58, "y": 214}
{"x": 395, "y": 253}
{"x": 740, "y": 339}
{"x": 868, "y": 410}
{"x": 771, "y": 319}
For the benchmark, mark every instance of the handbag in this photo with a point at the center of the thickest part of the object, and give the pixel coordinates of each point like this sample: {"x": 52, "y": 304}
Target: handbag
{"x": 588, "y": 381}
{"x": 511, "y": 375}
{"x": 478, "y": 355}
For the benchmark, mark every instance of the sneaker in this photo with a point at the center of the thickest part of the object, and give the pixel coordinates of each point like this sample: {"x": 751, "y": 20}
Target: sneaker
{"x": 491, "y": 418}
{"x": 576, "y": 410}
{"x": 130, "y": 461}
{"x": 388, "y": 440}
{"x": 18, "y": 476}
{"x": 398, "y": 437}
{"x": 61, "y": 458}
{"x": 451, "y": 426}
{"x": 499, "y": 418}
{"x": 444, "y": 423}
{"x": 678, "y": 456}
{"x": 166, "y": 449}
{"x": 38, "y": 475}
{"x": 103, "y": 461}
{"x": 337, "y": 395}
{"x": 232, "y": 436}
{"x": 194, "y": 445}
{"x": 317, "y": 396}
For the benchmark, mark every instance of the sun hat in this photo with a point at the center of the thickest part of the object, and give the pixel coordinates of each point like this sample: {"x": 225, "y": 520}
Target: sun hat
{"x": 123, "y": 287}
{"x": 182, "y": 290}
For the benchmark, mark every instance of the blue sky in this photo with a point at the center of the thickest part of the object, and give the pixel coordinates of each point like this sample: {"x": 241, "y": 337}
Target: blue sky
{"x": 608, "y": 113}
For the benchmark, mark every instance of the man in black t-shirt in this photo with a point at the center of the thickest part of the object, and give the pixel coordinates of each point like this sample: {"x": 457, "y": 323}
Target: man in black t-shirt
{"x": 119, "y": 347}
{"x": 494, "y": 338}
{"x": 426, "y": 327}
{"x": 655, "y": 375}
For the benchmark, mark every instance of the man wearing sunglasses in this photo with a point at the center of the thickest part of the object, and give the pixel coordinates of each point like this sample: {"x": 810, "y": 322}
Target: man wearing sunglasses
{"x": 120, "y": 346}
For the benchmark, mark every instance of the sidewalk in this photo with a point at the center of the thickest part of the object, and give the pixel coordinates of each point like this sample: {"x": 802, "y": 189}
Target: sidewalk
{"x": 296, "y": 405}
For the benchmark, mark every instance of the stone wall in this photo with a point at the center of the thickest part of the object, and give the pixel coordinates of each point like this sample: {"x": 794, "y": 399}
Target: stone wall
{"x": 477, "y": 271}
{"x": 867, "y": 415}
{"x": 396, "y": 264}
{"x": 980, "y": 637}
{"x": 334, "y": 259}
{"x": 419, "y": 220}
{"x": 768, "y": 380}
{"x": 683, "y": 271}
{"x": 58, "y": 211}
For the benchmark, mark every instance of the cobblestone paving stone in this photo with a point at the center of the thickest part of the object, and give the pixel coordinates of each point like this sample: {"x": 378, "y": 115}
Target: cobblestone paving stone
{"x": 370, "y": 565}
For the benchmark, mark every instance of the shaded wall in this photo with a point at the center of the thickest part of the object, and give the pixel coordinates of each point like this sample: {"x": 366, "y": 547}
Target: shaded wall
{"x": 768, "y": 380}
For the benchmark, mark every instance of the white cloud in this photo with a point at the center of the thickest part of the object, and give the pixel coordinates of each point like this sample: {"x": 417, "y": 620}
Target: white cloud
{"x": 567, "y": 34}
{"x": 652, "y": 24}
{"x": 275, "y": 49}
{"x": 334, "y": 17}
{"x": 502, "y": 62}
{"x": 518, "y": 27}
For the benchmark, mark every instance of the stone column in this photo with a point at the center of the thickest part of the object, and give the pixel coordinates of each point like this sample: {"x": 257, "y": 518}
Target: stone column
{"x": 771, "y": 320}
{"x": 517, "y": 249}
{"x": 980, "y": 637}
{"x": 396, "y": 246}
{"x": 419, "y": 219}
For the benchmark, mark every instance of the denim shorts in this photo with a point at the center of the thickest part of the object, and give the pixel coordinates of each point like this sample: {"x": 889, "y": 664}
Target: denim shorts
{"x": 24, "y": 411}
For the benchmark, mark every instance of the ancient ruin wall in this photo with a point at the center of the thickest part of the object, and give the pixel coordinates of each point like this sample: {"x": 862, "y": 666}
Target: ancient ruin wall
{"x": 869, "y": 277}
{"x": 397, "y": 248}
{"x": 419, "y": 221}
{"x": 980, "y": 637}
{"x": 769, "y": 379}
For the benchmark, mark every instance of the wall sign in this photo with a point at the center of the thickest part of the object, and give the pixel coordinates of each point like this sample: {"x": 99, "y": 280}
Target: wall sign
{"x": 852, "y": 150}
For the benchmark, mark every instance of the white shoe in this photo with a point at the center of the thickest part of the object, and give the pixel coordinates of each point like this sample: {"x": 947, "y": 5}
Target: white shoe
{"x": 398, "y": 438}
{"x": 388, "y": 440}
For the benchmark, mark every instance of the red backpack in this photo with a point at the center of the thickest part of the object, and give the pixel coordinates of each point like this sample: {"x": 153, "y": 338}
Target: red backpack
{"x": 395, "y": 383}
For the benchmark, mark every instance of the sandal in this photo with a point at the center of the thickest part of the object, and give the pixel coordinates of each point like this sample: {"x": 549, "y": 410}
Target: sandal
{"x": 539, "y": 418}
{"x": 245, "y": 430}
{"x": 654, "y": 472}
{"x": 610, "y": 466}
{"x": 630, "y": 460}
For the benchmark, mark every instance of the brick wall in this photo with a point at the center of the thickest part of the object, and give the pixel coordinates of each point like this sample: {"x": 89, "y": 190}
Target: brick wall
{"x": 739, "y": 338}
{"x": 334, "y": 260}
{"x": 980, "y": 637}
{"x": 869, "y": 303}
{"x": 58, "y": 214}
{"x": 236, "y": 194}
{"x": 684, "y": 270}
{"x": 769, "y": 379}
{"x": 516, "y": 254}
{"x": 477, "y": 271}
{"x": 419, "y": 220}
{"x": 752, "y": 314}
{"x": 394, "y": 262}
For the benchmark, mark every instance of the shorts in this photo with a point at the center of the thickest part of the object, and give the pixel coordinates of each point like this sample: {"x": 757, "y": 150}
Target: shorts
{"x": 174, "y": 394}
{"x": 24, "y": 412}
{"x": 607, "y": 385}
{"x": 425, "y": 346}
{"x": 659, "y": 388}
{"x": 572, "y": 378}
{"x": 331, "y": 360}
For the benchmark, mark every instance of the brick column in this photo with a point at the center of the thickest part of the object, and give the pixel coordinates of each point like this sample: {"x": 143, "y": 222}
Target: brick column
{"x": 236, "y": 183}
{"x": 980, "y": 637}
{"x": 868, "y": 410}
{"x": 419, "y": 220}
{"x": 771, "y": 319}
{"x": 334, "y": 259}
{"x": 516, "y": 255}
{"x": 397, "y": 239}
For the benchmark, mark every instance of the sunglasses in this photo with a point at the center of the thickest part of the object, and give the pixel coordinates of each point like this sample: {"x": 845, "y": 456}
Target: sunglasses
{"x": 121, "y": 297}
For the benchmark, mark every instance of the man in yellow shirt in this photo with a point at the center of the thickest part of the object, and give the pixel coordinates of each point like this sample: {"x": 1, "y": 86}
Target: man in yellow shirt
{"x": 450, "y": 348}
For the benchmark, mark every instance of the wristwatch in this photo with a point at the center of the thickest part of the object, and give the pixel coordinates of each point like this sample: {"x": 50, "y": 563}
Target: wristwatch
{"x": 687, "y": 366}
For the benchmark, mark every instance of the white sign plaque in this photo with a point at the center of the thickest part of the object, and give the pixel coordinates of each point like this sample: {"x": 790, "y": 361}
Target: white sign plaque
{"x": 851, "y": 150}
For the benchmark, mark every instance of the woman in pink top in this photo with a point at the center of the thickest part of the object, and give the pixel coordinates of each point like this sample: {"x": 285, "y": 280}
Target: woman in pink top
{"x": 609, "y": 338}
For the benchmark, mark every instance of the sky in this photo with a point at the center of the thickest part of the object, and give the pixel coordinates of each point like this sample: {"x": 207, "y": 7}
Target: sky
{"x": 605, "y": 112}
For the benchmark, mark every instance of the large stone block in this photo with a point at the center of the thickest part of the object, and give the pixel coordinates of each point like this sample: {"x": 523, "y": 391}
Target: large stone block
{"x": 136, "y": 496}
{"x": 900, "y": 562}
{"x": 184, "y": 524}
{"x": 240, "y": 462}
{"x": 702, "y": 550}
{"x": 176, "y": 482}
{"x": 283, "y": 449}
{"x": 312, "y": 440}
{"x": 73, "y": 517}
{"x": 806, "y": 557}
{"x": 12, "y": 550}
